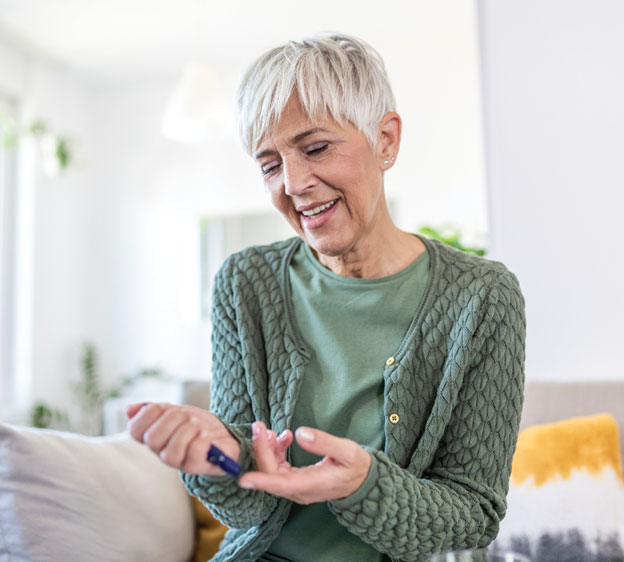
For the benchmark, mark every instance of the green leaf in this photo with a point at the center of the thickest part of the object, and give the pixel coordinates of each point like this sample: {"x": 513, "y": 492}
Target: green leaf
{"x": 450, "y": 236}
{"x": 44, "y": 416}
{"x": 62, "y": 153}
{"x": 37, "y": 128}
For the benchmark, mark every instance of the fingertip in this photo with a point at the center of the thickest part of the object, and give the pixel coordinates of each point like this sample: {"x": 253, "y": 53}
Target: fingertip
{"x": 257, "y": 428}
{"x": 133, "y": 409}
{"x": 305, "y": 434}
{"x": 243, "y": 483}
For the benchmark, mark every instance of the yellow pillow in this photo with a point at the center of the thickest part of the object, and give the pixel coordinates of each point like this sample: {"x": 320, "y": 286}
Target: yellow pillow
{"x": 209, "y": 532}
{"x": 566, "y": 495}
{"x": 549, "y": 452}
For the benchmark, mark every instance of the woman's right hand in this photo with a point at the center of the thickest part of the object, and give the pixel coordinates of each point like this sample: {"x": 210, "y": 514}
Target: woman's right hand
{"x": 181, "y": 435}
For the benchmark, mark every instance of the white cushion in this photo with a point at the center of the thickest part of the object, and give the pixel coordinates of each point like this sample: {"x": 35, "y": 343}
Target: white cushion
{"x": 66, "y": 497}
{"x": 566, "y": 495}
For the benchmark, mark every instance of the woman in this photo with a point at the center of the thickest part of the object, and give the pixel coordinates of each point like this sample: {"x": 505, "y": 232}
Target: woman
{"x": 397, "y": 360}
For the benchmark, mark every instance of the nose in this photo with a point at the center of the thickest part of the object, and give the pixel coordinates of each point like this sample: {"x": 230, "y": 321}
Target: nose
{"x": 298, "y": 175}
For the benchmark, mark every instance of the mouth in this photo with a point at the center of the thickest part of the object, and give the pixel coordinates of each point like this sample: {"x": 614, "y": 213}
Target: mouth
{"x": 317, "y": 211}
{"x": 318, "y": 216}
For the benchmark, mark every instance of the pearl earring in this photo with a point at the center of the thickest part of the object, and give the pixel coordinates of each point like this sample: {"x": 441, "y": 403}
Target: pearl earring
{"x": 390, "y": 161}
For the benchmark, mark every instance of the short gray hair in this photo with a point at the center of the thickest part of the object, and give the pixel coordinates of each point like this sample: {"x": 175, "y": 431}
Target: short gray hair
{"x": 334, "y": 74}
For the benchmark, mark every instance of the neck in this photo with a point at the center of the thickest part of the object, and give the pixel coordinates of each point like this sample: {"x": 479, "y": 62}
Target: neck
{"x": 381, "y": 255}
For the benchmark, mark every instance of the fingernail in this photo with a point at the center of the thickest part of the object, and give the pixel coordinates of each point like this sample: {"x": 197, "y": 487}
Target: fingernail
{"x": 255, "y": 429}
{"x": 283, "y": 434}
{"x": 305, "y": 434}
{"x": 203, "y": 434}
{"x": 247, "y": 485}
{"x": 194, "y": 420}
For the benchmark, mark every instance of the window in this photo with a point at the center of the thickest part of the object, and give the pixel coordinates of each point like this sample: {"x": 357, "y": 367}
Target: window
{"x": 8, "y": 117}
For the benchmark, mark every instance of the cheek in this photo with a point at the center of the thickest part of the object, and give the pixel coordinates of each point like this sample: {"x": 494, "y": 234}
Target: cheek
{"x": 284, "y": 205}
{"x": 278, "y": 199}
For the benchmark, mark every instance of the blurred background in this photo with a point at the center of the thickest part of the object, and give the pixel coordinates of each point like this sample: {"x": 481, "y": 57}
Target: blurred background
{"x": 123, "y": 186}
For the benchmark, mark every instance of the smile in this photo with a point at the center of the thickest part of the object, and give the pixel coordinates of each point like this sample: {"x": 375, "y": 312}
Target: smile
{"x": 318, "y": 210}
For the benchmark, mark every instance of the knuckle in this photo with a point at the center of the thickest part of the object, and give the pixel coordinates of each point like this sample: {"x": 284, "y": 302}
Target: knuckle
{"x": 169, "y": 457}
{"x": 151, "y": 440}
{"x": 189, "y": 410}
{"x": 135, "y": 433}
{"x": 151, "y": 409}
{"x": 174, "y": 414}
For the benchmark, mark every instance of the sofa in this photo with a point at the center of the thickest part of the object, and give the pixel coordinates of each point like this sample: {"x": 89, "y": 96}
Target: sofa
{"x": 65, "y": 497}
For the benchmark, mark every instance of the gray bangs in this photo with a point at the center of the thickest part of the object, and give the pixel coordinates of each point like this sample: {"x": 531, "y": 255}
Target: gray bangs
{"x": 336, "y": 75}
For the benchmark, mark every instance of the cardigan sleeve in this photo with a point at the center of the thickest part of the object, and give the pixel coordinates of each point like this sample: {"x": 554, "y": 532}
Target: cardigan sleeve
{"x": 459, "y": 500}
{"x": 230, "y": 401}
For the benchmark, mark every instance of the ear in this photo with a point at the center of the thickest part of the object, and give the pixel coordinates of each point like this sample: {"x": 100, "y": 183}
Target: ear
{"x": 388, "y": 139}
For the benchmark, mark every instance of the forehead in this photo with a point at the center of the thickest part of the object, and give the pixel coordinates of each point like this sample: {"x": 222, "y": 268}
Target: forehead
{"x": 293, "y": 125}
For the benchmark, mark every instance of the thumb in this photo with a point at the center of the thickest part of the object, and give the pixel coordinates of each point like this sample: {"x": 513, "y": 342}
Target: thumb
{"x": 327, "y": 445}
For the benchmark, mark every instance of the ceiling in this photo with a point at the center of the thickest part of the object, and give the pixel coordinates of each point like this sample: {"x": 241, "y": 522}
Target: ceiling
{"x": 103, "y": 39}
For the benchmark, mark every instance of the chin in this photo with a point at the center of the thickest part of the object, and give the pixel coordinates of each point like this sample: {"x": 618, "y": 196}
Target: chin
{"x": 325, "y": 247}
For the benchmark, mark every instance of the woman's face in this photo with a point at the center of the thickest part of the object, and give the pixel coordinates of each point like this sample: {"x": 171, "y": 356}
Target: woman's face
{"x": 324, "y": 178}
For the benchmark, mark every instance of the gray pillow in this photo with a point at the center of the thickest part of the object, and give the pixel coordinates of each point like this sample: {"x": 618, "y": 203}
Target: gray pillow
{"x": 65, "y": 498}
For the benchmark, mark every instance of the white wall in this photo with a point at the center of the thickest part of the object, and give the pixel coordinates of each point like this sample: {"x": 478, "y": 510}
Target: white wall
{"x": 50, "y": 277}
{"x": 553, "y": 86}
{"x": 143, "y": 260}
{"x": 439, "y": 176}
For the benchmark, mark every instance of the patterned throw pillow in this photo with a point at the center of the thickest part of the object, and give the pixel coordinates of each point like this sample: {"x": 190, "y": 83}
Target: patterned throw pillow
{"x": 566, "y": 496}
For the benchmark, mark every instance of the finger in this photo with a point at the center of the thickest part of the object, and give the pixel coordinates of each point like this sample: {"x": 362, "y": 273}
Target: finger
{"x": 175, "y": 451}
{"x": 159, "y": 433}
{"x": 325, "y": 444}
{"x": 143, "y": 419}
{"x": 284, "y": 440}
{"x": 265, "y": 456}
{"x": 271, "y": 438}
{"x": 297, "y": 485}
{"x": 132, "y": 409}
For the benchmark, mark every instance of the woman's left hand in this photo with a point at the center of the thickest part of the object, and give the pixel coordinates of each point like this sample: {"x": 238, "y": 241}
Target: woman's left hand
{"x": 340, "y": 472}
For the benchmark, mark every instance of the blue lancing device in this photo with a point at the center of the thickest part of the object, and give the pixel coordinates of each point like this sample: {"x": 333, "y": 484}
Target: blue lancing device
{"x": 219, "y": 458}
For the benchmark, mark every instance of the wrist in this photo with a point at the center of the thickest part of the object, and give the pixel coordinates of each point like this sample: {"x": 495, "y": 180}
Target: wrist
{"x": 362, "y": 491}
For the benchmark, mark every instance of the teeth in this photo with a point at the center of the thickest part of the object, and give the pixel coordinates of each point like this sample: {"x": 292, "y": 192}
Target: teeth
{"x": 318, "y": 209}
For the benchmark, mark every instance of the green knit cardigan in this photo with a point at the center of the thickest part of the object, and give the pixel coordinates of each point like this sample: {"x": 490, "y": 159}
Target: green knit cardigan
{"x": 456, "y": 384}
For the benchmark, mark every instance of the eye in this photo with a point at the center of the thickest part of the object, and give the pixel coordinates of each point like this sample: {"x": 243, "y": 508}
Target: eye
{"x": 316, "y": 148}
{"x": 269, "y": 168}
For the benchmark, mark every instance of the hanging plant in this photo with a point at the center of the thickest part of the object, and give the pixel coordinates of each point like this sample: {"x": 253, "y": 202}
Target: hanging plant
{"x": 55, "y": 150}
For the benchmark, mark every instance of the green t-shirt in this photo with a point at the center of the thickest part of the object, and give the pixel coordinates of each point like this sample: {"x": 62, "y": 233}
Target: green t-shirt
{"x": 351, "y": 327}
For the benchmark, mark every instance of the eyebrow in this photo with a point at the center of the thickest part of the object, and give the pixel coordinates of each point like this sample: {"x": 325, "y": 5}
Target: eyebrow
{"x": 294, "y": 140}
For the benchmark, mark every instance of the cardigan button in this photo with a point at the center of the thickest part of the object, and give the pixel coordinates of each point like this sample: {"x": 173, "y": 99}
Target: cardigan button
{"x": 394, "y": 418}
{"x": 390, "y": 361}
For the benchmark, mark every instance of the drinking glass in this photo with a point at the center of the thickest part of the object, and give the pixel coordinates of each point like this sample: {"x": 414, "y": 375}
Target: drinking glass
{"x": 471, "y": 556}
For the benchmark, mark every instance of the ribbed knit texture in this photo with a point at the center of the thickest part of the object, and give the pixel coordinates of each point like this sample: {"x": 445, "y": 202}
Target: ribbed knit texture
{"x": 456, "y": 385}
